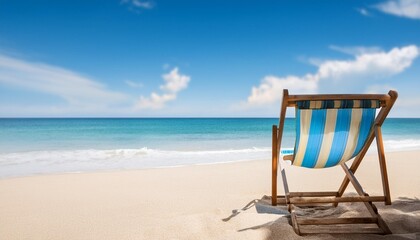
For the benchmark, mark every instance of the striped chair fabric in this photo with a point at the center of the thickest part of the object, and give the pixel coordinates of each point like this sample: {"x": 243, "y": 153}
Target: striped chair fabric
{"x": 330, "y": 132}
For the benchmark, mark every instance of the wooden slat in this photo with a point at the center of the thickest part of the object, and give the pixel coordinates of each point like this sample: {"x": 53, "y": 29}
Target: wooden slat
{"x": 281, "y": 200}
{"x": 312, "y": 194}
{"x": 304, "y": 97}
{"x": 332, "y": 221}
{"x": 329, "y": 229}
{"x": 309, "y": 200}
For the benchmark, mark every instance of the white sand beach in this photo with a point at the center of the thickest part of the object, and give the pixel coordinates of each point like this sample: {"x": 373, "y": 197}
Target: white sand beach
{"x": 220, "y": 201}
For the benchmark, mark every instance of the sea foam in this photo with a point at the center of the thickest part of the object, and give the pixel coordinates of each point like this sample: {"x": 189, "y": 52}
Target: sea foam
{"x": 58, "y": 161}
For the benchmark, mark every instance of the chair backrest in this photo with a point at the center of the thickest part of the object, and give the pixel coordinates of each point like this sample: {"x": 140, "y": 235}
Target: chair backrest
{"x": 331, "y": 129}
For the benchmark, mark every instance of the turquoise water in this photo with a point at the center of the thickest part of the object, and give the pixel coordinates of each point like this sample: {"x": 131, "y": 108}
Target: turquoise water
{"x": 34, "y": 146}
{"x": 117, "y": 133}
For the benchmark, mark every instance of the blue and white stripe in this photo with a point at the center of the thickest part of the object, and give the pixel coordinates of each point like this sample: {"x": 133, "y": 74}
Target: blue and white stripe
{"x": 327, "y": 137}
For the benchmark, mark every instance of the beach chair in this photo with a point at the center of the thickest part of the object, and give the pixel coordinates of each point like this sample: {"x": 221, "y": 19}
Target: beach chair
{"x": 330, "y": 130}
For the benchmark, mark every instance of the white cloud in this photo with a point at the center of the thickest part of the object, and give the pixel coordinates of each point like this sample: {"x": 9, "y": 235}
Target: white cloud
{"x": 174, "y": 82}
{"x": 383, "y": 63}
{"x": 271, "y": 88}
{"x": 133, "y": 84}
{"x": 340, "y": 75}
{"x": 401, "y": 8}
{"x": 74, "y": 88}
{"x": 143, "y": 4}
{"x": 155, "y": 101}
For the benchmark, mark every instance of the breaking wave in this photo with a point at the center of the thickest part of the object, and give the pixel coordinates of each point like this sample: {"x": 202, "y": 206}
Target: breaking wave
{"x": 59, "y": 161}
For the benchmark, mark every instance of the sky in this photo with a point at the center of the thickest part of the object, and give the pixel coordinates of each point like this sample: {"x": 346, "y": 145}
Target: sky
{"x": 186, "y": 58}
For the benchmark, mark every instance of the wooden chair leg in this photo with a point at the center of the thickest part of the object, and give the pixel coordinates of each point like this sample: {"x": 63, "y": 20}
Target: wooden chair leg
{"x": 293, "y": 217}
{"x": 274, "y": 167}
{"x": 380, "y": 118}
{"x": 286, "y": 189}
{"x": 382, "y": 164}
{"x": 276, "y": 144}
{"x": 369, "y": 205}
{"x": 353, "y": 167}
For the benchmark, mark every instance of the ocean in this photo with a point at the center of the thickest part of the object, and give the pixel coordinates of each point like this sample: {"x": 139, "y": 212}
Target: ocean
{"x": 30, "y": 146}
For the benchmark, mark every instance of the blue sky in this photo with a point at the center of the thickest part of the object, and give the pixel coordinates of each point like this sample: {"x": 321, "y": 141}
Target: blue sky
{"x": 141, "y": 58}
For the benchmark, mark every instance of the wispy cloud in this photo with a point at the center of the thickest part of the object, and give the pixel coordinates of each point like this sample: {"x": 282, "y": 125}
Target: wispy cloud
{"x": 174, "y": 83}
{"x": 401, "y": 8}
{"x": 133, "y": 84}
{"x": 339, "y": 75}
{"x": 74, "y": 88}
{"x": 139, "y": 4}
{"x": 81, "y": 95}
{"x": 363, "y": 11}
{"x": 379, "y": 88}
{"x": 166, "y": 66}
{"x": 356, "y": 50}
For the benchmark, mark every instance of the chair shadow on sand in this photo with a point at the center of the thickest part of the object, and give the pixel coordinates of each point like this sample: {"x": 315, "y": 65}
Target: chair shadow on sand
{"x": 403, "y": 218}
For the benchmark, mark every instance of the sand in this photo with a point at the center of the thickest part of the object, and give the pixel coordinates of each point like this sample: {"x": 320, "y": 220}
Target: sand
{"x": 220, "y": 201}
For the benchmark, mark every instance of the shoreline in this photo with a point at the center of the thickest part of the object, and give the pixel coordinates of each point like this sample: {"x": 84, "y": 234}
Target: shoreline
{"x": 214, "y": 201}
{"x": 369, "y": 153}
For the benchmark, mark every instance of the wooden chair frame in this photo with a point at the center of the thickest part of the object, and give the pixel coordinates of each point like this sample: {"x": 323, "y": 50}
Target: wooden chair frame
{"x": 292, "y": 199}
